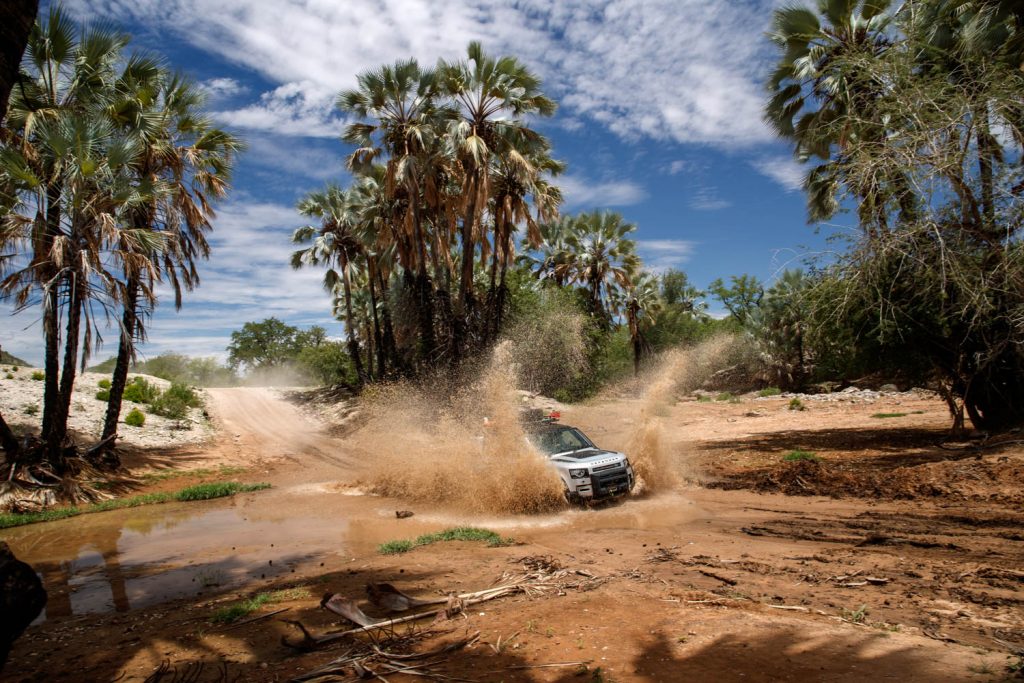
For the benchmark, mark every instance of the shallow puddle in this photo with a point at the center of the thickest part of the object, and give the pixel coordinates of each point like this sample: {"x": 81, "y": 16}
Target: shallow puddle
{"x": 125, "y": 559}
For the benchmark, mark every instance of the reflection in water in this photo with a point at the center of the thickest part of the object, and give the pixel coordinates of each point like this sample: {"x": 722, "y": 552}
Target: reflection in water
{"x": 132, "y": 558}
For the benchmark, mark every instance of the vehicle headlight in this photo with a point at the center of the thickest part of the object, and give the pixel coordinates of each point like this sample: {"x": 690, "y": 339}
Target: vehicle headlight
{"x": 578, "y": 474}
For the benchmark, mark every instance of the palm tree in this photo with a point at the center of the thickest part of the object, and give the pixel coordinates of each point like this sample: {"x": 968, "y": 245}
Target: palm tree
{"x": 552, "y": 259}
{"x": 641, "y": 303}
{"x": 605, "y": 256}
{"x": 485, "y": 91}
{"x": 334, "y": 243}
{"x": 819, "y": 101}
{"x": 399, "y": 100}
{"x": 518, "y": 175}
{"x": 183, "y": 166}
{"x": 54, "y": 159}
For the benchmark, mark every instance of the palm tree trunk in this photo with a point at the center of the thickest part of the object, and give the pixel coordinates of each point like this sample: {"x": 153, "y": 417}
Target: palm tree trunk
{"x": 51, "y": 311}
{"x": 466, "y": 283}
{"x": 125, "y": 354}
{"x": 353, "y": 344}
{"x": 16, "y": 19}
{"x": 390, "y": 348}
{"x": 377, "y": 342}
{"x": 499, "y": 318}
{"x": 8, "y": 441}
{"x": 68, "y": 372}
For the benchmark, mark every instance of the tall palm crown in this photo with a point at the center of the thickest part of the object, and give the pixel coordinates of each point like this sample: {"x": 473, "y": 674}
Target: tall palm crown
{"x": 818, "y": 100}
{"x": 605, "y": 256}
{"x": 485, "y": 91}
{"x": 398, "y": 116}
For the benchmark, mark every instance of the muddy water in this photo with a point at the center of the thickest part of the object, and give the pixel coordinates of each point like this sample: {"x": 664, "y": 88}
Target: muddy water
{"x": 126, "y": 559}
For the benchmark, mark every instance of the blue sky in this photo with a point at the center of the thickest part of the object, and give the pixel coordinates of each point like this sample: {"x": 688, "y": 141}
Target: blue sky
{"x": 659, "y": 119}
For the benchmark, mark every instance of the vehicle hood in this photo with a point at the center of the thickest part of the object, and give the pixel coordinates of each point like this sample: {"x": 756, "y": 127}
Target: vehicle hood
{"x": 588, "y": 456}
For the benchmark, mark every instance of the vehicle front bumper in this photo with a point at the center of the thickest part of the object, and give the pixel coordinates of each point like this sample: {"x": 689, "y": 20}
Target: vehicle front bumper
{"x": 605, "y": 484}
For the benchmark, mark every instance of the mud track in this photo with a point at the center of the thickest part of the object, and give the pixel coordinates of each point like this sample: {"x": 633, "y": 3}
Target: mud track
{"x": 838, "y": 583}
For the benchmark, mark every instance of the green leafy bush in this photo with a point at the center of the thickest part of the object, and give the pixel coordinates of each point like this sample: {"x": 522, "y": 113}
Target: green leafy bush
{"x": 724, "y": 396}
{"x": 38, "y": 375}
{"x": 175, "y": 402}
{"x": 796, "y": 404}
{"x": 140, "y": 391}
{"x": 135, "y": 418}
{"x": 10, "y": 376}
{"x": 769, "y": 391}
{"x": 103, "y": 395}
{"x": 103, "y": 384}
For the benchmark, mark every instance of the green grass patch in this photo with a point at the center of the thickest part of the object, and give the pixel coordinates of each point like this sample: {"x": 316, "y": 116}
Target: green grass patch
{"x": 135, "y": 418}
{"x": 796, "y": 404}
{"x": 704, "y": 398}
{"x": 103, "y": 395}
{"x": 769, "y": 391}
{"x": 883, "y": 416}
{"x": 198, "y": 492}
{"x": 462, "y": 533}
{"x": 797, "y": 455}
{"x": 395, "y": 547}
{"x": 38, "y": 376}
{"x": 232, "y": 613}
{"x": 103, "y": 384}
{"x": 216, "y": 489}
{"x": 725, "y": 396}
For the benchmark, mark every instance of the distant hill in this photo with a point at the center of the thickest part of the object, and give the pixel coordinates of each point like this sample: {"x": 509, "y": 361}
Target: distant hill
{"x": 8, "y": 359}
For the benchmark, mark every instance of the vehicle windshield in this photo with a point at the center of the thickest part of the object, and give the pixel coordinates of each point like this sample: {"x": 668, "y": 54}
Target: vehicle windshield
{"x": 561, "y": 441}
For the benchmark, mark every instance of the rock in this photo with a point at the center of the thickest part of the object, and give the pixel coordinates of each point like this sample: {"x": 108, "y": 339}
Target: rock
{"x": 890, "y": 388}
{"x": 22, "y": 598}
{"x": 403, "y": 514}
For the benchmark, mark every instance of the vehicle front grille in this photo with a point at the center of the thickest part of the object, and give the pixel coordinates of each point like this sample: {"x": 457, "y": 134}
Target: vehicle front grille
{"x": 602, "y": 468}
{"x": 610, "y": 483}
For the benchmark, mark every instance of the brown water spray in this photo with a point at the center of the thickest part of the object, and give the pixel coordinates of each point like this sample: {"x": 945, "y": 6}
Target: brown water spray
{"x": 468, "y": 450}
{"x": 678, "y": 371}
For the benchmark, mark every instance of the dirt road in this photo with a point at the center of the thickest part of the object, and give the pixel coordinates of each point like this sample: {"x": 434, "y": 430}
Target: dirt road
{"x": 257, "y": 424}
{"x": 912, "y": 574}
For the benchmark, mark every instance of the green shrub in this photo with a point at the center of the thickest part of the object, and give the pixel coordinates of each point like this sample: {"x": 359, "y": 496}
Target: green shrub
{"x": 38, "y": 375}
{"x": 103, "y": 395}
{"x": 175, "y": 402}
{"x": 140, "y": 391}
{"x": 796, "y": 404}
{"x": 103, "y": 384}
{"x": 135, "y": 418}
{"x": 724, "y": 396}
{"x": 704, "y": 398}
{"x": 797, "y": 455}
{"x": 9, "y": 376}
{"x": 769, "y": 391}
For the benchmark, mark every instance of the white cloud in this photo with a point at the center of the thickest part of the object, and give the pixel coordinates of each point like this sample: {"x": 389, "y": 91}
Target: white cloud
{"x": 783, "y": 170}
{"x": 579, "y": 192}
{"x": 297, "y": 108}
{"x": 687, "y": 71}
{"x": 676, "y": 167}
{"x": 222, "y": 87}
{"x": 289, "y": 159}
{"x": 660, "y": 255}
{"x": 708, "y": 199}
